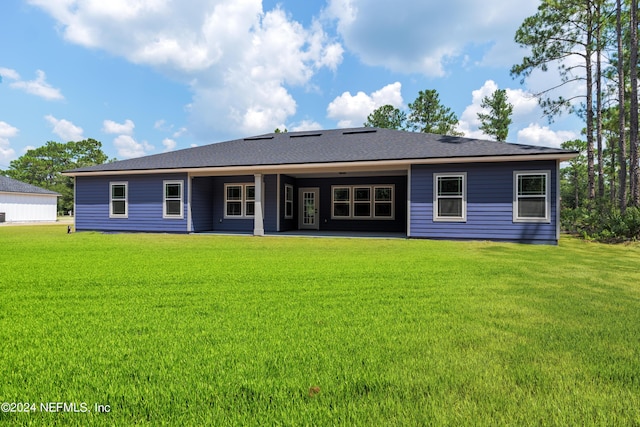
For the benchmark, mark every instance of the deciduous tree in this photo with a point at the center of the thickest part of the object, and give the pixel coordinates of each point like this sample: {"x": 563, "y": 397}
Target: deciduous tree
{"x": 43, "y": 166}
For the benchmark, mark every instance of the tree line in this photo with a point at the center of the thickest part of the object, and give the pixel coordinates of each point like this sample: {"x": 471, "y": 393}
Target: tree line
{"x": 594, "y": 44}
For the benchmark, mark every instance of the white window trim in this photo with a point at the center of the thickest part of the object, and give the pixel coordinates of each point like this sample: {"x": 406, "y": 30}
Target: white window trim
{"x": 547, "y": 196}
{"x": 126, "y": 199}
{"x": 164, "y": 199}
{"x": 372, "y": 195}
{"x": 438, "y": 218}
{"x": 355, "y": 202}
{"x": 287, "y": 201}
{"x": 243, "y": 200}
{"x": 392, "y": 201}
{"x": 349, "y": 201}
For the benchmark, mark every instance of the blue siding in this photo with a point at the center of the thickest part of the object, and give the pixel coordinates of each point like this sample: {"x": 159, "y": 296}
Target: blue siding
{"x": 201, "y": 204}
{"x": 489, "y": 204}
{"x": 220, "y": 223}
{"x": 145, "y": 199}
{"x": 398, "y": 224}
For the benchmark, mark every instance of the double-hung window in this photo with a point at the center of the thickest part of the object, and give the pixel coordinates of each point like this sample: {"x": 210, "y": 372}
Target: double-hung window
{"x": 288, "y": 201}
{"x": 118, "y": 201}
{"x": 531, "y": 198}
{"x": 362, "y": 202}
{"x": 383, "y": 202}
{"x": 341, "y": 201}
{"x": 239, "y": 200}
{"x": 450, "y": 197}
{"x": 173, "y": 200}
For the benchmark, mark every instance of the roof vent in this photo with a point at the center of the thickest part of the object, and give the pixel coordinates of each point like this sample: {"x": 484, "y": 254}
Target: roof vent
{"x": 305, "y": 135}
{"x": 258, "y": 138}
{"x": 353, "y": 132}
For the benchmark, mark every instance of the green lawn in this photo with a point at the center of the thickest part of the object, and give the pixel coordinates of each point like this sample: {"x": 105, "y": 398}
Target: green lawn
{"x": 222, "y": 330}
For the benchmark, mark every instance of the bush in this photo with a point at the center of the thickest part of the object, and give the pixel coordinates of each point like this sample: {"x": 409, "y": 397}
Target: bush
{"x": 607, "y": 225}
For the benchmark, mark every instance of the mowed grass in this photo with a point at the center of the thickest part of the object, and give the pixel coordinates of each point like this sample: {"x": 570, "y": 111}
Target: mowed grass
{"x": 223, "y": 330}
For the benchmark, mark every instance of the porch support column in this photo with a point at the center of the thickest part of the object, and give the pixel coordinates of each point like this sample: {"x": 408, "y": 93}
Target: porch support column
{"x": 258, "y": 220}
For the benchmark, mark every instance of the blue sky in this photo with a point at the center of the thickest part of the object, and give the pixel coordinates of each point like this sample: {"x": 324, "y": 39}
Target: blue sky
{"x": 148, "y": 76}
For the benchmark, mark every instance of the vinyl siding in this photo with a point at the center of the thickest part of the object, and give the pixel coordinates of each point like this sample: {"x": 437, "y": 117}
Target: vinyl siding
{"x": 145, "y": 199}
{"x": 489, "y": 204}
{"x": 28, "y": 207}
{"x": 201, "y": 204}
{"x": 243, "y": 225}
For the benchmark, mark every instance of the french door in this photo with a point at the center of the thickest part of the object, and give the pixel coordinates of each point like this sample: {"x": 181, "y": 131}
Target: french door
{"x": 309, "y": 214}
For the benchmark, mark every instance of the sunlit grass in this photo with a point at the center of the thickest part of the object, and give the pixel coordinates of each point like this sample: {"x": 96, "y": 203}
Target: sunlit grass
{"x": 220, "y": 330}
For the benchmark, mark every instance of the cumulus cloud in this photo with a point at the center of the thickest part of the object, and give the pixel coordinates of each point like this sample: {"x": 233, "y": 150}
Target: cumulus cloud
{"x": 238, "y": 59}
{"x": 8, "y": 73}
{"x": 352, "y": 110}
{"x": 524, "y": 129}
{"x": 38, "y": 87}
{"x": 422, "y": 37}
{"x": 534, "y": 134}
{"x": 6, "y": 132}
{"x": 127, "y": 147}
{"x": 169, "y": 144}
{"x": 65, "y": 129}
{"x": 126, "y": 128}
{"x": 304, "y": 125}
{"x": 525, "y": 109}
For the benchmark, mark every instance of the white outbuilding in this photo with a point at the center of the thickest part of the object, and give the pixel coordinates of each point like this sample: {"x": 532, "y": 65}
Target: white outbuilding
{"x": 22, "y": 202}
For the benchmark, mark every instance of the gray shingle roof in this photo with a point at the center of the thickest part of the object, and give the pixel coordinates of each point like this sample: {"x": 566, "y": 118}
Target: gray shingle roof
{"x": 326, "y": 146}
{"x": 10, "y": 185}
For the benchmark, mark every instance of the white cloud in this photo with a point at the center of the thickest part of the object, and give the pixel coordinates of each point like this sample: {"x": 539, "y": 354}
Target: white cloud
{"x": 238, "y": 59}
{"x": 353, "y": 110}
{"x": 38, "y": 87}
{"x": 127, "y": 147}
{"x": 126, "y": 128}
{"x": 169, "y": 144}
{"x": 179, "y": 132}
{"x": 304, "y": 125}
{"x": 8, "y": 73}
{"x": 535, "y": 134}
{"x": 65, "y": 129}
{"x": 6, "y": 132}
{"x": 423, "y": 36}
{"x": 525, "y": 110}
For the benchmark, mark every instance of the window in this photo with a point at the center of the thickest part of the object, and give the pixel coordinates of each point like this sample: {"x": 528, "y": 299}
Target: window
{"x": 531, "y": 196}
{"x": 118, "y": 206}
{"x": 249, "y": 200}
{"x": 383, "y": 202}
{"x": 173, "y": 206}
{"x": 362, "y": 202}
{"x": 239, "y": 200}
{"x": 449, "y": 197}
{"x": 341, "y": 202}
{"x": 288, "y": 201}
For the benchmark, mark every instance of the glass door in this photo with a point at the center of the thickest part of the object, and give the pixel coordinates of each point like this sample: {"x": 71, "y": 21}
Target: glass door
{"x": 309, "y": 212}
